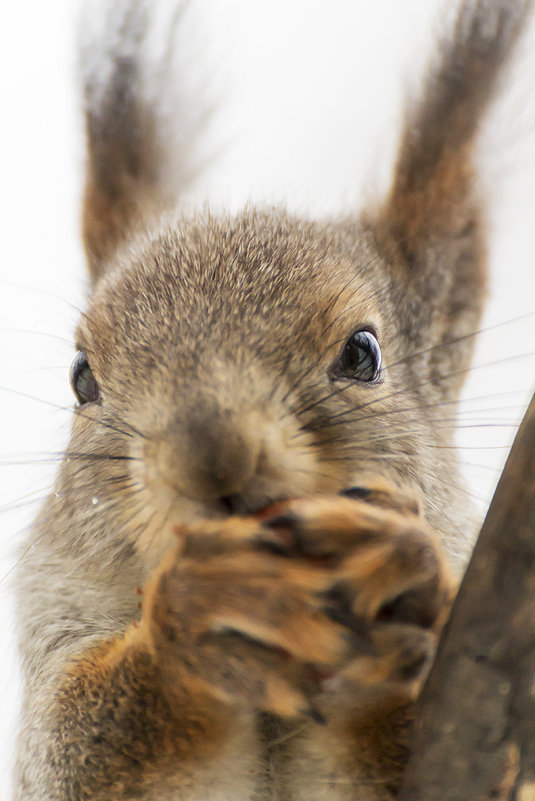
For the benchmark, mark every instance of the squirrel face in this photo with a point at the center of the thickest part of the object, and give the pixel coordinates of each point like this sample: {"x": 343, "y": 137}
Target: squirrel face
{"x": 243, "y": 362}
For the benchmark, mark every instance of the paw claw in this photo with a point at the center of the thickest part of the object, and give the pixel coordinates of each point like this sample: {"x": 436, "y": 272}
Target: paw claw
{"x": 358, "y": 493}
{"x": 383, "y": 494}
{"x": 315, "y": 714}
{"x": 278, "y": 534}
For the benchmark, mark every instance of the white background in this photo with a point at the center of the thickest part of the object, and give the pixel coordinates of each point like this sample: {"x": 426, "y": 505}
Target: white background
{"x": 309, "y": 97}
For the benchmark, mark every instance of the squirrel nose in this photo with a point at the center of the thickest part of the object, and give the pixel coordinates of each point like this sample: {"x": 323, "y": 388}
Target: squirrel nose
{"x": 210, "y": 457}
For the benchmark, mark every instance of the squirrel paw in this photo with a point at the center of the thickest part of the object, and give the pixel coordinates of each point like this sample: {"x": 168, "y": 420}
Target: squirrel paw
{"x": 311, "y": 595}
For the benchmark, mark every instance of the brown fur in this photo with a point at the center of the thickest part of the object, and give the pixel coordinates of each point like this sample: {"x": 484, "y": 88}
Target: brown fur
{"x": 221, "y": 624}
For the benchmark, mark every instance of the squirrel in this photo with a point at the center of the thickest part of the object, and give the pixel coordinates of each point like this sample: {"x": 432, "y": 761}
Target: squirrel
{"x": 250, "y": 608}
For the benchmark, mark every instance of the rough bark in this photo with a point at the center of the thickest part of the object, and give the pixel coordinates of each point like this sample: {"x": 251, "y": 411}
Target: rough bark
{"x": 475, "y": 735}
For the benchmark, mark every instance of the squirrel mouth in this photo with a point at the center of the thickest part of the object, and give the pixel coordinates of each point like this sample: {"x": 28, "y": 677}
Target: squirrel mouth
{"x": 242, "y": 505}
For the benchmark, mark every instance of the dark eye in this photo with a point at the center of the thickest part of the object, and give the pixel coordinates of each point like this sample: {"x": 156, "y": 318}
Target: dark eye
{"x": 360, "y": 358}
{"x": 82, "y": 379}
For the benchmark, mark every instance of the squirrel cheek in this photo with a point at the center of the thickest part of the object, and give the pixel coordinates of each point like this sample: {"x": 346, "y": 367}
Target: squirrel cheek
{"x": 291, "y": 457}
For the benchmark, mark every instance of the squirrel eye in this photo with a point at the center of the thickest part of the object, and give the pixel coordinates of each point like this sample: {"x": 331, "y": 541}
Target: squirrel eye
{"x": 83, "y": 381}
{"x": 360, "y": 358}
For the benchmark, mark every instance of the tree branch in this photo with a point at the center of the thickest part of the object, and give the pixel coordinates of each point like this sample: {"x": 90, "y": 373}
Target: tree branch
{"x": 474, "y": 737}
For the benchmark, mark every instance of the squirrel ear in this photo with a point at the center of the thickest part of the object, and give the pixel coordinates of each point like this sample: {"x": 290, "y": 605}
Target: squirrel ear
{"x": 430, "y": 226}
{"x": 138, "y": 163}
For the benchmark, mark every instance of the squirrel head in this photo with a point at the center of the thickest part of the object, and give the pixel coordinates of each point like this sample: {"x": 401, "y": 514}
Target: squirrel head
{"x": 229, "y": 362}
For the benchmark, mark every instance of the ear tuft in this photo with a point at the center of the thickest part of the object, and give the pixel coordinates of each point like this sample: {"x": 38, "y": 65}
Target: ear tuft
{"x": 432, "y": 191}
{"x": 431, "y": 226}
{"x": 142, "y": 127}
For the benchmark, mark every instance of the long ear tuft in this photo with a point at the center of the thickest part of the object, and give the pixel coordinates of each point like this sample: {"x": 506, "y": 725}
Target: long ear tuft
{"x": 142, "y": 134}
{"x": 432, "y": 218}
{"x": 434, "y": 167}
